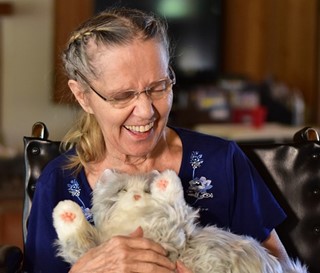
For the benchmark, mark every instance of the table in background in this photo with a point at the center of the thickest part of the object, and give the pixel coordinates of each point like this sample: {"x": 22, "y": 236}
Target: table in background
{"x": 268, "y": 133}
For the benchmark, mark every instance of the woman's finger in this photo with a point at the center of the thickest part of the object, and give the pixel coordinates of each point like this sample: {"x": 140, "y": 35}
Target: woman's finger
{"x": 181, "y": 268}
{"x": 138, "y": 233}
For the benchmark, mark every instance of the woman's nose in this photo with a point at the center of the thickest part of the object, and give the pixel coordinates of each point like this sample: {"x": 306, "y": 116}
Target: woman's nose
{"x": 144, "y": 106}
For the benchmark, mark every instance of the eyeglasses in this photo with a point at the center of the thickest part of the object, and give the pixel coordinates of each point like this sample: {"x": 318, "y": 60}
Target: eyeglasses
{"x": 155, "y": 91}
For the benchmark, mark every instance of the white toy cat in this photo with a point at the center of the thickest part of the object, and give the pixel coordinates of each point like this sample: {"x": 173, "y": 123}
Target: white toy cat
{"x": 155, "y": 201}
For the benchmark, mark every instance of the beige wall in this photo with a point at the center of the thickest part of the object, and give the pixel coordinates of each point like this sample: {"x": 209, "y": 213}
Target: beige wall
{"x": 27, "y": 72}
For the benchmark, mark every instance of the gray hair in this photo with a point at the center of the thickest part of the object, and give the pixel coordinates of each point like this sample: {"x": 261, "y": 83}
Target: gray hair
{"x": 110, "y": 28}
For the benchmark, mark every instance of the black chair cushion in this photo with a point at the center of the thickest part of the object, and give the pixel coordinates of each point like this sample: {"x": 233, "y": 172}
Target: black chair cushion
{"x": 10, "y": 259}
{"x": 292, "y": 172}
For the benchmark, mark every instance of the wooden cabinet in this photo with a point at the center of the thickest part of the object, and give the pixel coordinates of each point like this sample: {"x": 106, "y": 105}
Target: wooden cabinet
{"x": 11, "y": 222}
{"x": 275, "y": 38}
{"x": 68, "y": 15}
{"x": 11, "y": 200}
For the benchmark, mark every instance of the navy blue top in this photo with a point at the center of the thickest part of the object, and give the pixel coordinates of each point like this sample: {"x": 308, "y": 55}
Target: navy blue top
{"x": 217, "y": 177}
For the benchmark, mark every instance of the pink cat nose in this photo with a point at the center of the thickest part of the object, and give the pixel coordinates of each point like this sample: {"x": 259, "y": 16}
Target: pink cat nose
{"x": 136, "y": 197}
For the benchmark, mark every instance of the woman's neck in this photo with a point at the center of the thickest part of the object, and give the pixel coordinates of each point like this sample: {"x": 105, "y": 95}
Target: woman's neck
{"x": 166, "y": 155}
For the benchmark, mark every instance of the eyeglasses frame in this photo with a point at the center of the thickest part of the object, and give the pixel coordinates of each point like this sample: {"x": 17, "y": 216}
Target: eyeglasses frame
{"x": 171, "y": 77}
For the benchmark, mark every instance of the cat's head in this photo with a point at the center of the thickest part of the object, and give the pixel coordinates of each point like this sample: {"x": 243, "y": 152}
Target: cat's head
{"x": 119, "y": 192}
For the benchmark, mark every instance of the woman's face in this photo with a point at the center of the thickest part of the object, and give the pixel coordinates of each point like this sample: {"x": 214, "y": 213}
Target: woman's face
{"x": 137, "y": 128}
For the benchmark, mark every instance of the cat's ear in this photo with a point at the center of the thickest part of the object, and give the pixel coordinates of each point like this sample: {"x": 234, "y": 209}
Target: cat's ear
{"x": 155, "y": 172}
{"x": 107, "y": 175}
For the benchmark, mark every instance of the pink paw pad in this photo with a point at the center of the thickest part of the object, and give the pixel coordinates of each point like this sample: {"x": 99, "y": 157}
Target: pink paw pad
{"x": 68, "y": 216}
{"x": 162, "y": 184}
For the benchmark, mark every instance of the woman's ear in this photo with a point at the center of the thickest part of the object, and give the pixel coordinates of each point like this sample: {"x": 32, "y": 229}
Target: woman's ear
{"x": 80, "y": 95}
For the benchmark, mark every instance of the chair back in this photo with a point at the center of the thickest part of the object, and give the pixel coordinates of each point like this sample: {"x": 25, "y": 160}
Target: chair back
{"x": 38, "y": 151}
{"x": 292, "y": 172}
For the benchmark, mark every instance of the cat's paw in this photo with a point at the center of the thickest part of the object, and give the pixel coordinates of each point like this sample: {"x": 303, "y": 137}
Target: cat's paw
{"x": 167, "y": 186}
{"x": 68, "y": 218}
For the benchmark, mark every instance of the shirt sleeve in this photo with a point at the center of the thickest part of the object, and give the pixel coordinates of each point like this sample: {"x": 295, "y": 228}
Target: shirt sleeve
{"x": 255, "y": 211}
{"x": 40, "y": 253}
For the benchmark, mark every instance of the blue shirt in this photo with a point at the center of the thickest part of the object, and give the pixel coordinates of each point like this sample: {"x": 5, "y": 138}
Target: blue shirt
{"x": 217, "y": 177}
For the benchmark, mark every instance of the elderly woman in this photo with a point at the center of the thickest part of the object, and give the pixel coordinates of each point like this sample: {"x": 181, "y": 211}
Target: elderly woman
{"x": 118, "y": 64}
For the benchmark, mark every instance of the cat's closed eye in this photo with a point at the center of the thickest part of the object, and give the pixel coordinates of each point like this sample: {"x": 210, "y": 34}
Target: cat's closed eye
{"x": 147, "y": 189}
{"x": 122, "y": 190}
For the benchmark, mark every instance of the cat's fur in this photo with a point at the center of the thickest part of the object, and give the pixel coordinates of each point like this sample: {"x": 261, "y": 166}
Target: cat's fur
{"x": 155, "y": 201}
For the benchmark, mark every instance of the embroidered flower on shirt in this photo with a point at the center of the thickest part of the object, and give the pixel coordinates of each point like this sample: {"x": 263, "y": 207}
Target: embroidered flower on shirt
{"x": 195, "y": 160}
{"x": 75, "y": 190}
{"x": 198, "y": 187}
{"x": 88, "y": 214}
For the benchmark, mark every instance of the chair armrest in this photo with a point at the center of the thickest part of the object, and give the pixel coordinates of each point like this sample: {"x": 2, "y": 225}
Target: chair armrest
{"x": 10, "y": 259}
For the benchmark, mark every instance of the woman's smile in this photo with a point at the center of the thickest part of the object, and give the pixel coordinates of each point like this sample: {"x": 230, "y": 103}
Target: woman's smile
{"x": 139, "y": 128}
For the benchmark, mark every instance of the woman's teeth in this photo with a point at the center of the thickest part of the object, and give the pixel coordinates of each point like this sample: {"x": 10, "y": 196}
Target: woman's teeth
{"x": 140, "y": 129}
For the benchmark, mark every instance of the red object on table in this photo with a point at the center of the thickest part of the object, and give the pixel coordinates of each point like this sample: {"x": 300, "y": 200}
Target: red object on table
{"x": 254, "y": 116}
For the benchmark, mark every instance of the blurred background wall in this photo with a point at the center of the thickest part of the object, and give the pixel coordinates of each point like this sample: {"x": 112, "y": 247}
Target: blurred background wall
{"x": 260, "y": 38}
{"x": 27, "y": 67}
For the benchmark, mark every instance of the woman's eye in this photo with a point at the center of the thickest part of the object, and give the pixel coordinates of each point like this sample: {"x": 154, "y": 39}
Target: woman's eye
{"x": 159, "y": 86}
{"x": 123, "y": 96}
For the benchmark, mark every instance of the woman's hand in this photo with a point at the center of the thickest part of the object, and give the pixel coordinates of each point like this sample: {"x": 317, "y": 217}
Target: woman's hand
{"x": 181, "y": 268}
{"x": 125, "y": 254}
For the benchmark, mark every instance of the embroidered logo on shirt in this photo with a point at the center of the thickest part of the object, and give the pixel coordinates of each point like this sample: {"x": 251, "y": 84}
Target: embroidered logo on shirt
{"x": 75, "y": 191}
{"x": 198, "y": 187}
